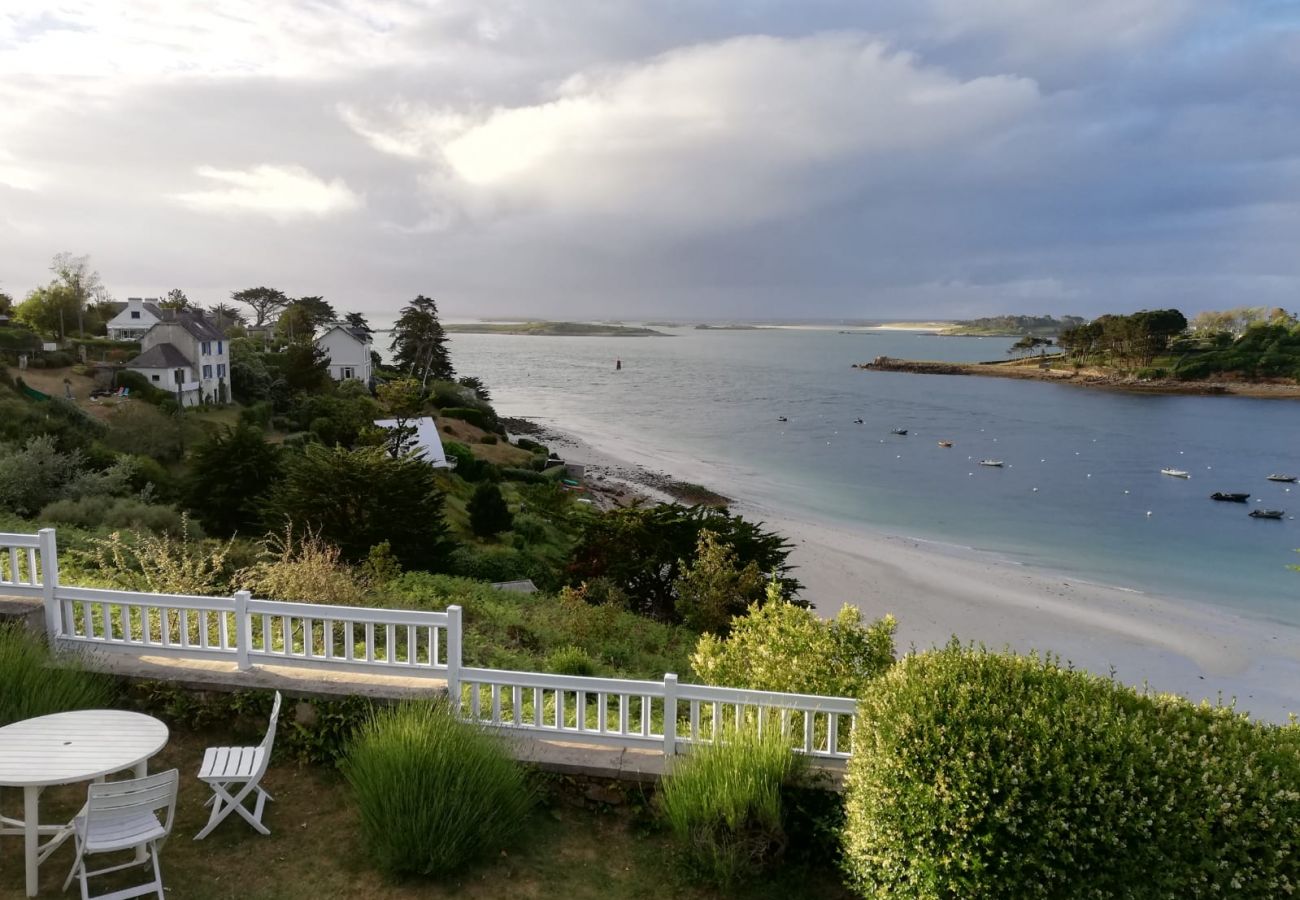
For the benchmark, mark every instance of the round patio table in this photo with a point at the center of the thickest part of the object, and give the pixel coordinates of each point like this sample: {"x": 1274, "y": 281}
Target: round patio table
{"x": 65, "y": 748}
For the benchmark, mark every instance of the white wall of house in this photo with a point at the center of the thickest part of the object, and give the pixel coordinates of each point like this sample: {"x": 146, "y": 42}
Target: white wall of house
{"x": 131, "y": 323}
{"x": 174, "y": 381}
{"x": 349, "y": 356}
{"x": 427, "y": 442}
{"x": 208, "y": 360}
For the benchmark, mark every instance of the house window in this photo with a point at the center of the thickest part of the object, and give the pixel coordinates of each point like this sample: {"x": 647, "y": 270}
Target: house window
{"x": 219, "y": 349}
{"x": 135, "y": 314}
{"x": 153, "y": 377}
{"x": 207, "y": 348}
{"x": 221, "y": 370}
{"x": 347, "y": 372}
{"x": 207, "y": 371}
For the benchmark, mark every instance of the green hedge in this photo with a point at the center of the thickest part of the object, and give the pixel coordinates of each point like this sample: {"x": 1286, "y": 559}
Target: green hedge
{"x": 979, "y": 774}
{"x": 475, "y": 417}
{"x": 140, "y": 387}
{"x": 528, "y": 476}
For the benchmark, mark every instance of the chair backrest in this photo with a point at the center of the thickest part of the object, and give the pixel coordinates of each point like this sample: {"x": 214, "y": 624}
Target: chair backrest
{"x": 110, "y": 800}
{"x": 264, "y": 748}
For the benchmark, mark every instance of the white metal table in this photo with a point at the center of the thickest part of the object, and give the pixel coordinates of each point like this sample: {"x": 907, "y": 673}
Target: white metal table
{"x": 65, "y": 748}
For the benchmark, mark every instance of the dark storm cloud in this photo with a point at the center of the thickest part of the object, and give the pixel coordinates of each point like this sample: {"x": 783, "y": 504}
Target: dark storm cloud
{"x": 818, "y": 159}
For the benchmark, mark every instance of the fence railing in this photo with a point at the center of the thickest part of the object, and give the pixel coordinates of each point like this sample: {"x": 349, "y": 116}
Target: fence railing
{"x": 249, "y": 631}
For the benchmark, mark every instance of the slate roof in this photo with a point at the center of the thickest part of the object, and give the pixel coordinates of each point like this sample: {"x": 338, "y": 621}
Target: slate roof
{"x": 197, "y": 325}
{"x": 160, "y": 356}
{"x": 358, "y": 334}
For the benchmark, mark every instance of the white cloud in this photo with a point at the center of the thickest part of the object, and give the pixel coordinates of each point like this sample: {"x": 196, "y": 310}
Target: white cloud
{"x": 280, "y": 192}
{"x": 733, "y": 131}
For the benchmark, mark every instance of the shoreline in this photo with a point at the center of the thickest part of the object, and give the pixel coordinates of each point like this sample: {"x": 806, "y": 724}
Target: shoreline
{"x": 937, "y": 590}
{"x": 1085, "y": 378}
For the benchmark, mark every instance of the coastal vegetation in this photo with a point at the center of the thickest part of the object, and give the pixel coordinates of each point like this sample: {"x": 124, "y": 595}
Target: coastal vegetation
{"x": 553, "y": 329}
{"x": 1014, "y": 326}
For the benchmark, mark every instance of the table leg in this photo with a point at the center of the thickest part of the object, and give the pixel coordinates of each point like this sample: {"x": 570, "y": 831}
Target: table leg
{"x": 140, "y": 770}
{"x": 31, "y": 835}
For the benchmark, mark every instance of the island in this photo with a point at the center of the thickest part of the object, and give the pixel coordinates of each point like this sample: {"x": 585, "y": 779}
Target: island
{"x": 552, "y": 329}
{"x": 1249, "y": 351}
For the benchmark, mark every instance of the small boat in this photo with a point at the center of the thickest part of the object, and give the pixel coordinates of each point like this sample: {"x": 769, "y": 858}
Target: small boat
{"x": 1230, "y": 498}
{"x": 1176, "y": 473}
{"x": 1287, "y": 479}
{"x": 945, "y": 443}
{"x": 899, "y": 431}
{"x": 857, "y": 421}
{"x": 995, "y": 463}
{"x": 782, "y": 419}
{"x": 1267, "y": 513}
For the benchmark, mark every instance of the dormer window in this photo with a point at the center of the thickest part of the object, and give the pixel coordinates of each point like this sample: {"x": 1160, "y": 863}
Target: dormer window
{"x": 135, "y": 313}
{"x": 207, "y": 348}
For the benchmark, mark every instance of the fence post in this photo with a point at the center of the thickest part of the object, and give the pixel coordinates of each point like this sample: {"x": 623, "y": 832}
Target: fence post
{"x": 453, "y": 658}
{"x": 243, "y": 630}
{"x": 670, "y": 715}
{"x": 50, "y": 584}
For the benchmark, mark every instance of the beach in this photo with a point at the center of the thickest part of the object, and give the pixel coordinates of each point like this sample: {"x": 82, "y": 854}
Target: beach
{"x": 939, "y": 590}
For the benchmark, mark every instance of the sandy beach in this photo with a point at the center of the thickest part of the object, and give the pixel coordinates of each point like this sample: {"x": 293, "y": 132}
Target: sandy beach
{"x": 938, "y": 590}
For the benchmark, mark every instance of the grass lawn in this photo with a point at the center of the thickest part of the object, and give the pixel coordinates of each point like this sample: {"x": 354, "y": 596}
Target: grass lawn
{"x": 314, "y": 850}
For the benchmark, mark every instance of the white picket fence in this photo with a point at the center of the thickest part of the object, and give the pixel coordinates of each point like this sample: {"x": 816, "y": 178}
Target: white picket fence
{"x": 249, "y": 631}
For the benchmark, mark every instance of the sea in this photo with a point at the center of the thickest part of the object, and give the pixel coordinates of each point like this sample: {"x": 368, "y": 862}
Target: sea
{"x": 1080, "y": 491}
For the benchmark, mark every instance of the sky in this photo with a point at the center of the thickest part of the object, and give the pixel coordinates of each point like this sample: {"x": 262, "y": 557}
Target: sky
{"x": 811, "y": 159}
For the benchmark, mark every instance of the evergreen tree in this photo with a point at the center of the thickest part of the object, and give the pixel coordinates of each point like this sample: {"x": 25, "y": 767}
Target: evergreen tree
{"x": 488, "y": 512}
{"x": 232, "y": 474}
{"x": 419, "y": 343}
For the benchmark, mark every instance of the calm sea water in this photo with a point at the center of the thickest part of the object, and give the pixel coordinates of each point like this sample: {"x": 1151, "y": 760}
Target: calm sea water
{"x": 706, "y": 405}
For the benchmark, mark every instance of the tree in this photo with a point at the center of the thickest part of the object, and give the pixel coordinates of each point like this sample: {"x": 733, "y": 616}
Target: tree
{"x": 303, "y": 316}
{"x": 419, "y": 343}
{"x": 360, "y": 498}
{"x": 488, "y": 512}
{"x": 82, "y": 283}
{"x": 6, "y": 304}
{"x": 232, "y": 475}
{"x": 641, "y": 551}
{"x": 48, "y": 309}
{"x": 357, "y": 321}
{"x": 402, "y": 400}
{"x": 264, "y": 302}
{"x": 225, "y": 316}
{"x": 305, "y": 366}
{"x": 176, "y": 299}
{"x": 712, "y": 588}
{"x": 1028, "y": 344}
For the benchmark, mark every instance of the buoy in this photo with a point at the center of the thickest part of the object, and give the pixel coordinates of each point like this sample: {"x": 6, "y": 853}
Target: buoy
{"x": 1126, "y": 492}
{"x": 1089, "y": 474}
{"x": 1035, "y": 490}
{"x": 1148, "y": 512}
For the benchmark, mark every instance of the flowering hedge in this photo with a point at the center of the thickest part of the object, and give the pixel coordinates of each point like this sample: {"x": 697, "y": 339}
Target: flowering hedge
{"x": 980, "y": 774}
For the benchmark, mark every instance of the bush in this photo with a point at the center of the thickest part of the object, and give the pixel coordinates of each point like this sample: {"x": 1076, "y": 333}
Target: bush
{"x": 782, "y": 647}
{"x": 34, "y": 687}
{"x": 302, "y": 568}
{"x": 115, "y": 512}
{"x": 531, "y": 446}
{"x": 488, "y": 439}
{"x": 979, "y": 774}
{"x": 58, "y": 359}
{"x": 488, "y": 512}
{"x": 475, "y": 417}
{"x": 723, "y": 804}
{"x": 527, "y": 476}
{"x": 434, "y": 793}
{"x": 141, "y": 388}
{"x": 572, "y": 661}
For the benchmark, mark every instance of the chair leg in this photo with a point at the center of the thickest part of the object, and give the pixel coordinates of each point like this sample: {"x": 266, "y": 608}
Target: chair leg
{"x": 157, "y": 869}
{"x": 78, "y": 861}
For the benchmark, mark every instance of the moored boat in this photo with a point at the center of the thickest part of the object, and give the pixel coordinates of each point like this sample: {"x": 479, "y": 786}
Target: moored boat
{"x": 1230, "y": 498}
{"x": 993, "y": 463}
{"x": 1175, "y": 473}
{"x": 899, "y": 431}
{"x": 945, "y": 443}
{"x": 1287, "y": 479}
{"x": 1267, "y": 513}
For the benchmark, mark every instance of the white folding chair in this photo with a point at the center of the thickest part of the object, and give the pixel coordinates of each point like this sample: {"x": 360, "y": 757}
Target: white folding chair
{"x": 123, "y": 815}
{"x": 226, "y": 767}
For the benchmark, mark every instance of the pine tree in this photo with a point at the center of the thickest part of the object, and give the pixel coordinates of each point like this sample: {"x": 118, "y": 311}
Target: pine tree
{"x": 488, "y": 512}
{"x": 419, "y": 344}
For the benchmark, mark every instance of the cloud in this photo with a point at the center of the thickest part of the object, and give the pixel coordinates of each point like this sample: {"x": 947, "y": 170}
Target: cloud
{"x": 279, "y": 192}
{"x": 729, "y": 133}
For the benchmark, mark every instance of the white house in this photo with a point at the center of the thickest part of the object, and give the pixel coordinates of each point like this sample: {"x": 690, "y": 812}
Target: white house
{"x": 427, "y": 442}
{"x": 137, "y": 317}
{"x": 186, "y": 355}
{"x": 348, "y": 350}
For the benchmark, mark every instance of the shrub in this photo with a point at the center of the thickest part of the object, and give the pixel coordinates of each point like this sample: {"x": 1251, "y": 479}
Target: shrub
{"x": 141, "y": 388}
{"x": 782, "y": 647}
{"x": 34, "y": 687}
{"x": 531, "y": 446}
{"x": 162, "y": 564}
{"x": 488, "y": 439}
{"x": 528, "y": 476}
{"x": 488, "y": 512}
{"x": 475, "y": 417}
{"x": 712, "y": 587}
{"x": 35, "y": 474}
{"x": 572, "y": 661}
{"x": 723, "y": 804}
{"x": 434, "y": 793}
{"x": 115, "y": 512}
{"x": 979, "y": 774}
{"x": 303, "y": 568}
